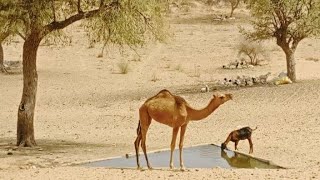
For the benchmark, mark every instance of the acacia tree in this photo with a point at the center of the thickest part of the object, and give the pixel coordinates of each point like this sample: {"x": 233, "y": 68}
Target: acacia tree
{"x": 2, "y": 38}
{"x": 129, "y": 22}
{"x": 288, "y": 21}
{"x": 234, "y": 4}
{"x": 4, "y": 33}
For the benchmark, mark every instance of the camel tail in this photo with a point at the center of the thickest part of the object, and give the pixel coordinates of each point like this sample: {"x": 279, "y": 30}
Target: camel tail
{"x": 139, "y": 128}
{"x": 255, "y": 128}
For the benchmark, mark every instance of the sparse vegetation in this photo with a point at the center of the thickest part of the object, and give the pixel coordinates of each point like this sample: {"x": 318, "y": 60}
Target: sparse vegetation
{"x": 178, "y": 67}
{"x": 196, "y": 72}
{"x": 253, "y": 50}
{"x": 123, "y": 67}
{"x": 154, "y": 78}
{"x": 234, "y": 4}
{"x": 167, "y": 66}
{"x": 312, "y": 59}
{"x": 136, "y": 57}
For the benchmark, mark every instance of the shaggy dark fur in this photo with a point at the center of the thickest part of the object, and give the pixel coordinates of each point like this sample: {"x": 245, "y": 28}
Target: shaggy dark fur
{"x": 237, "y": 135}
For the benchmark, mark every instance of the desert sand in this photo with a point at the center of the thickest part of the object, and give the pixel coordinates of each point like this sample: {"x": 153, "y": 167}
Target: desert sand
{"x": 87, "y": 110}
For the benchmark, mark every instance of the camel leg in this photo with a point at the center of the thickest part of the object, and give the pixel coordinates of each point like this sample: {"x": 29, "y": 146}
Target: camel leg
{"x": 235, "y": 145}
{"x": 173, "y": 144}
{"x": 136, "y": 145}
{"x": 251, "y": 145}
{"x": 145, "y": 121}
{"x": 182, "y": 133}
{"x": 143, "y": 145}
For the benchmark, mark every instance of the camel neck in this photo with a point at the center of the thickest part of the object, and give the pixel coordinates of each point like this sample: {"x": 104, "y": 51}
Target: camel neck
{"x": 194, "y": 114}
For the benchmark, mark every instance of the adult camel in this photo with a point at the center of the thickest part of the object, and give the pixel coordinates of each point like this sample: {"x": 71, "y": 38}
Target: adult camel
{"x": 175, "y": 112}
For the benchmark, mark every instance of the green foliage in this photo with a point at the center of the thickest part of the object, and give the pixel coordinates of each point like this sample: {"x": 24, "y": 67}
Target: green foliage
{"x": 123, "y": 22}
{"x": 298, "y": 18}
{"x": 129, "y": 24}
{"x": 58, "y": 37}
{"x": 289, "y": 21}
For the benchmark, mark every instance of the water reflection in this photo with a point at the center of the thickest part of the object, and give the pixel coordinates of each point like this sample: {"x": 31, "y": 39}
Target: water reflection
{"x": 237, "y": 160}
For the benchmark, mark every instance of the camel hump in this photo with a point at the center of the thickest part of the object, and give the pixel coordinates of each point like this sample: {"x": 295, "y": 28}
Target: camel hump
{"x": 164, "y": 93}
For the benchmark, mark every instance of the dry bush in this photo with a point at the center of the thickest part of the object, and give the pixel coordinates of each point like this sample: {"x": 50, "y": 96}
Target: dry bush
{"x": 154, "y": 78}
{"x": 178, "y": 67}
{"x": 123, "y": 67}
{"x": 252, "y": 50}
{"x": 312, "y": 59}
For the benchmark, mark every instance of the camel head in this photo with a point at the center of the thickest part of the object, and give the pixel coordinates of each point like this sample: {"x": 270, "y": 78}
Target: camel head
{"x": 222, "y": 98}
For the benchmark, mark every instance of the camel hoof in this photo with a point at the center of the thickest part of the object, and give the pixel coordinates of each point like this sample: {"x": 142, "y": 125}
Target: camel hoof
{"x": 150, "y": 168}
{"x": 182, "y": 168}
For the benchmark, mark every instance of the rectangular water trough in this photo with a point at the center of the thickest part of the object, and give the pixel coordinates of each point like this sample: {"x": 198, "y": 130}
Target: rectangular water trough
{"x": 201, "y": 156}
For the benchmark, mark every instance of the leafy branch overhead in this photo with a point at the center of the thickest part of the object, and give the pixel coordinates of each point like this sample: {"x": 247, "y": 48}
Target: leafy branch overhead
{"x": 126, "y": 21}
{"x": 129, "y": 23}
{"x": 118, "y": 21}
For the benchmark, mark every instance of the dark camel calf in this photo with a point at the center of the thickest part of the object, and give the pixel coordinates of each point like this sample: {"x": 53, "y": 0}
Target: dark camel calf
{"x": 237, "y": 135}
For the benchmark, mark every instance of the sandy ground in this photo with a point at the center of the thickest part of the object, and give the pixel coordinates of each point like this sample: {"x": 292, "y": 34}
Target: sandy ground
{"x": 87, "y": 110}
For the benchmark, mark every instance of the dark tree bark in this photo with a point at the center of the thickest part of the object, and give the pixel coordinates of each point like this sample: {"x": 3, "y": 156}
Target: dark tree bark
{"x": 1, "y": 59}
{"x": 234, "y": 5}
{"x": 289, "y": 46}
{"x": 291, "y": 65}
{"x": 2, "y": 38}
{"x": 25, "y": 128}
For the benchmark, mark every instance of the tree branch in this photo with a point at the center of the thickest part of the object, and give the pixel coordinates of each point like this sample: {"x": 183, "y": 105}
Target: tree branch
{"x": 54, "y": 12}
{"x": 101, "y": 3}
{"x": 21, "y": 35}
{"x": 57, "y": 25}
{"x": 79, "y": 6}
{"x": 3, "y": 36}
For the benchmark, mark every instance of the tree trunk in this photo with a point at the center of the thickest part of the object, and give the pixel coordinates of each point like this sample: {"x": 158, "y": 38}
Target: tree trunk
{"x": 2, "y": 38}
{"x": 2, "y": 69}
{"x": 234, "y": 5}
{"x": 25, "y": 130}
{"x": 232, "y": 9}
{"x": 291, "y": 65}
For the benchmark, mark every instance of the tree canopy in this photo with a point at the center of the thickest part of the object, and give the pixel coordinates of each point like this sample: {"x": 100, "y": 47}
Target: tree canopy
{"x": 124, "y": 22}
{"x": 289, "y": 21}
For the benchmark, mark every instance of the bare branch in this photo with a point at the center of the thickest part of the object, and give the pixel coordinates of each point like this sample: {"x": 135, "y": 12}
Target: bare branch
{"x": 79, "y": 6}
{"x": 54, "y": 11}
{"x": 101, "y": 3}
{"x": 82, "y": 15}
{"x": 3, "y": 36}
{"x": 56, "y": 25}
{"x": 21, "y": 35}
